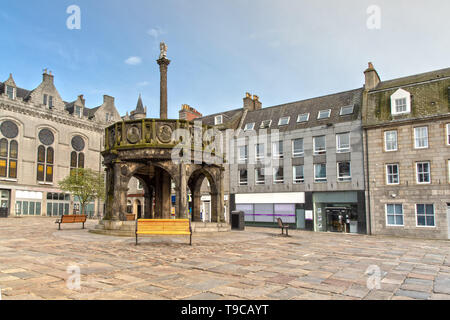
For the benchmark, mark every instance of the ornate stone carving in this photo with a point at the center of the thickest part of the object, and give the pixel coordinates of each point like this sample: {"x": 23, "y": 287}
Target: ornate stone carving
{"x": 165, "y": 133}
{"x": 111, "y": 137}
{"x": 133, "y": 134}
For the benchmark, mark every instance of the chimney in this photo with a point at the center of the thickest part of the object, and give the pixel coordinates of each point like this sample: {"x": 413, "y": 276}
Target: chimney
{"x": 47, "y": 77}
{"x": 83, "y": 101}
{"x": 249, "y": 104}
{"x": 188, "y": 113}
{"x": 108, "y": 99}
{"x": 258, "y": 104}
{"x": 372, "y": 77}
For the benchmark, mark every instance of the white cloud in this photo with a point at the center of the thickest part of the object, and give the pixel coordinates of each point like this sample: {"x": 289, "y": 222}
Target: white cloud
{"x": 155, "y": 32}
{"x": 143, "y": 84}
{"x": 133, "y": 61}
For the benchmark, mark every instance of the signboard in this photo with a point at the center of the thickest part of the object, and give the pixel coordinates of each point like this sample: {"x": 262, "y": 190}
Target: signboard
{"x": 309, "y": 215}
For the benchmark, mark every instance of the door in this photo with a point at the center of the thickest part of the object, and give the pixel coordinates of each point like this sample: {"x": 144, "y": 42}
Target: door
{"x": 300, "y": 213}
{"x": 4, "y": 203}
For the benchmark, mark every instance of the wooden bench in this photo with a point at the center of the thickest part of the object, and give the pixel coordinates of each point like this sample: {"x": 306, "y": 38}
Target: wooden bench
{"x": 75, "y": 218}
{"x": 163, "y": 227}
{"x": 131, "y": 217}
{"x": 283, "y": 227}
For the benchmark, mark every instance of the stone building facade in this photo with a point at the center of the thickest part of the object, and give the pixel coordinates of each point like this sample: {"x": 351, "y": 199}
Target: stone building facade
{"x": 274, "y": 160}
{"x": 407, "y": 151}
{"x": 43, "y": 137}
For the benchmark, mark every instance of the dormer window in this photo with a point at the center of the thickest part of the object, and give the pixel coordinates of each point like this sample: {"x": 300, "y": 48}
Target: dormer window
{"x": 218, "y": 120}
{"x": 10, "y": 92}
{"x": 249, "y": 126}
{"x": 266, "y": 124}
{"x": 324, "y": 114}
{"x": 400, "y": 102}
{"x": 303, "y": 117}
{"x": 78, "y": 111}
{"x": 346, "y": 110}
{"x": 284, "y": 121}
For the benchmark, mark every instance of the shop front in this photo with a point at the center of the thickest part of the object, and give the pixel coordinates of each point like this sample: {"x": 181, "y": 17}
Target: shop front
{"x": 264, "y": 209}
{"x": 342, "y": 212}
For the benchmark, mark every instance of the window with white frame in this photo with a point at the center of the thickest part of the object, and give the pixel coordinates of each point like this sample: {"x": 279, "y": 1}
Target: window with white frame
{"x": 278, "y": 152}
{"x": 423, "y": 172}
{"x": 425, "y": 215}
{"x": 249, "y": 126}
{"x": 421, "y": 137}
{"x": 319, "y": 145}
{"x": 394, "y": 214}
{"x": 344, "y": 171}
{"x": 448, "y": 134}
{"x": 299, "y": 176}
{"x": 284, "y": 121}
{"x": 243, "y": 177}
{"x": 324, "y": 114}
{"x": 259, "y": 151}
{"x": 278, "y": 175}
{"x": 347, "y": 110}
{"x": 400, "y": 102}
{"x": 266, "y": 124}
{"x": 343, "y": 142}
{"x": 218, "y": 120}
{"x": 140, "y": 186}
{"x": 320, "y": 172}
{"x": 260, "y": 177}
{"x": 243, "y": 153}
{"x": 303, "y": 117}
{"x": 392, "y": 174}
{"x": 297, "y": 148}
{"x": 390, "y": 140}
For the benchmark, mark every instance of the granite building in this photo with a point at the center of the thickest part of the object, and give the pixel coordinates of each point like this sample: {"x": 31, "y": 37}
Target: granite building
{"x": 301, "y": 162}
{"x": 42, "y": 138}
{"x": 407, "y": 151}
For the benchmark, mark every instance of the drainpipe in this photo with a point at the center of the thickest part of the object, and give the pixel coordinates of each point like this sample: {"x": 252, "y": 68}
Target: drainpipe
{"x": 368, "y": 206}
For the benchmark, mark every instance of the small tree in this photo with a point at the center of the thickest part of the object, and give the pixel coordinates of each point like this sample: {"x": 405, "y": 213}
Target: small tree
{"x": 86, "y": 184}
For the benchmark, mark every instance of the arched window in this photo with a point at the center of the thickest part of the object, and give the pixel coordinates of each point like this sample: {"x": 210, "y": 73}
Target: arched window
{"x": 77, "y": 156}
{"x": 45, "y": 156}
{"x": 9, "y": 149}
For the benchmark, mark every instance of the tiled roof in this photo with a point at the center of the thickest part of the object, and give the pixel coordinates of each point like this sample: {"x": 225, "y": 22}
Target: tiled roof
{"x": 312, "y": 106}
{"x": 422, "y": 77}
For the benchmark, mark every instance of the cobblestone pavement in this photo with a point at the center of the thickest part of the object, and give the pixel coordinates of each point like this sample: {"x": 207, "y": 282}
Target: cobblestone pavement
{"x": 255, "y": 264}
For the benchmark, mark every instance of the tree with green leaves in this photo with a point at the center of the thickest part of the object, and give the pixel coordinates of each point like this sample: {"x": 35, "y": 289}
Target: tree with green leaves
{"x": 86, "y": 184}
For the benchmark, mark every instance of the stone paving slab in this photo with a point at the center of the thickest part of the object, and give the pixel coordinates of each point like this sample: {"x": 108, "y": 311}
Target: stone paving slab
{"x": 254, "y": 264}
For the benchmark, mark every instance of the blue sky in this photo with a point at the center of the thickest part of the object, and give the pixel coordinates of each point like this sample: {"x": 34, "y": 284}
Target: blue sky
{"x": 282, "y": 51}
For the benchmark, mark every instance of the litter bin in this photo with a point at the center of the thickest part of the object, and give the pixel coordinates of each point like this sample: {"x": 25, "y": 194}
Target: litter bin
{"x": 238, "y": 220}
{"x": 3, "y": 212}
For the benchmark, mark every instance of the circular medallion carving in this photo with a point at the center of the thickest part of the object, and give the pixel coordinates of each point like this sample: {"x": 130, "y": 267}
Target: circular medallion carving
{"x": 78, "y": 143}
{"x": 9, "y": 129}
{"x": 46, "y": 137}
{"x": 165, "y": 133}
{"x": 133, "y": 134}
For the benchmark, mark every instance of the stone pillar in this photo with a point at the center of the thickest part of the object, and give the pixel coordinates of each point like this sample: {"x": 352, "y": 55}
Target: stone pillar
{"x": 148, "y": 200}
{"x": 182, "y": 205}
{"x": 166, "y": 195}
{"x": 158, "y": 194}
{"x": 163, "y": 66}
{"x": 109, "y": 213}
{"x": 196, "y": 202}
{"x": 119, "y": 207}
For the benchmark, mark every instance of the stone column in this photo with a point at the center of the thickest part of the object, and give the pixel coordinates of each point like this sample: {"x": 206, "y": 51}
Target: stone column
{"x": 182, "y": 194}
{"x": 119, "y": 207}
{"x": 196, "y": 201}
{"x": 163, "y": 66}
{"x": 166, "y": 195}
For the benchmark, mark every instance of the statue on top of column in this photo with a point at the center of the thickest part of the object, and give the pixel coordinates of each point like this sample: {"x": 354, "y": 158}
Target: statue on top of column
{"x": 163, "y": 48}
